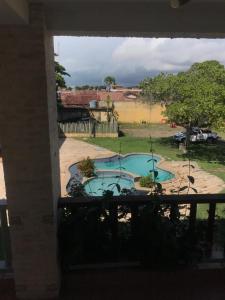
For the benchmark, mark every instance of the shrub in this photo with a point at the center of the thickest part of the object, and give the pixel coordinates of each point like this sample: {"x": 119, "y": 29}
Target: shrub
{"x": 87, "y": 167}
{"x": 76, "y": 188}
{"x": 147, "y": 181}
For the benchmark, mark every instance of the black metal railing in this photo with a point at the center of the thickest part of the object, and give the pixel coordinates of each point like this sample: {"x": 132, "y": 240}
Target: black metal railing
{"x": 127, "y": 228}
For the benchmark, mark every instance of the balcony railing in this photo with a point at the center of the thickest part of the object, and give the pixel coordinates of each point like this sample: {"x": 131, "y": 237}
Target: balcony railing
{"x": 123, "y": 227}
{"x": 5, "y": 249}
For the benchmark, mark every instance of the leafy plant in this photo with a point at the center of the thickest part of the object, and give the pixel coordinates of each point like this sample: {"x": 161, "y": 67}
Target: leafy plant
{"x": 147, "y": 181}
{"x": 164, "y": 239}
{"x": 76, "y": 188}
{"x": 87, "y": 167}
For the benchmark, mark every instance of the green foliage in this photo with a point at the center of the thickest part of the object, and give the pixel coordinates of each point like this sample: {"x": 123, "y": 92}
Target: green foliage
{"x": 60, "y": 72}
{"x": 90, "y": 87}
{"x": 110, "y": 80}
{"x": 147, "y": 181}
{"x": 76, "y": 188}
{"x": 160, "y": 87}
{"x": 164, "y": 238}
{"x": 160, "y": 239}
{"x": 195, "y": 97}
{"x": 87, "y": 167}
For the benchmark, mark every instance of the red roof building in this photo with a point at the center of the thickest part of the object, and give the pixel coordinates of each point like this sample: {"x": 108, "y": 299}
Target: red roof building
{"x": 83, "y": 98}
{"x": 78, "y": 98}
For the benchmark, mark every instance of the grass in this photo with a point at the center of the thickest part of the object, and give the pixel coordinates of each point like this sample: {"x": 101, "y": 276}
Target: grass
{"x": 210, "y": 158}
{"x": 129, "y": 144}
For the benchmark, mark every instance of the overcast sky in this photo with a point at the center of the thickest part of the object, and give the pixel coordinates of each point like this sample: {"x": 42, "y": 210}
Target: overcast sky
{"x": 89, "y": 60}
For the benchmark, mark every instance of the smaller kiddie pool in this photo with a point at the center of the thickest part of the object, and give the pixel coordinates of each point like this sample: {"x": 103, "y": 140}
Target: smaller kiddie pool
{"x": 120, "y": 170}
{"x": 108, "y": 180}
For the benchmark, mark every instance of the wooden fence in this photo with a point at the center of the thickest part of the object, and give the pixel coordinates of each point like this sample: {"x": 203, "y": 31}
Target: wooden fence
{"x": 88, "y": 129}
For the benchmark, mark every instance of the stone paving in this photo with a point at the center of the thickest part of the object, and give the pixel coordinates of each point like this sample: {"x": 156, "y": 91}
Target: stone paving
{"x": 204, "y": 182}
{"x": 72, "y": 151}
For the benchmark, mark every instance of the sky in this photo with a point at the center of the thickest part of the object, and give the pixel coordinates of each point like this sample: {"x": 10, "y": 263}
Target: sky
{"x": 90, "y": 59}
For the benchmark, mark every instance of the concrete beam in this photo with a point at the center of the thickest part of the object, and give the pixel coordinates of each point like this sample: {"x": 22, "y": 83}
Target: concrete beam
{"x": 177, "y": 3}
{"x": 149, "y": 19}
{"x": 14, "y": 12}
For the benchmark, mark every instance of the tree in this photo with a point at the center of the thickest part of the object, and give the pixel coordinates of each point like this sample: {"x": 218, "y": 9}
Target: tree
{"x": 199, "y": 96}
{"x": 109, "y": 81}
{"x": 111, "y": 113}
{"x": 159, "y": 88}
{"x": 196, "y": 97}
{"x": 60, "y": 72}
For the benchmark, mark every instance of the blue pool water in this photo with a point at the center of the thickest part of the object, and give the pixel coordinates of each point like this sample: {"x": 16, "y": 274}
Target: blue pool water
{"x": 115, "y": 173}
{"x": 105, "y": 181}
{"x": 137, "y": 164}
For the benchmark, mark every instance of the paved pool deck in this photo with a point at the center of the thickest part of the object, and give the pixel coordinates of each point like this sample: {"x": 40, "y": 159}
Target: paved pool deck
{"x": 72, "y": 151}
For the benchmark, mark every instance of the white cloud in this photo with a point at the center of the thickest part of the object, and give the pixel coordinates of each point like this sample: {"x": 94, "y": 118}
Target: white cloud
{"x": 166, "y": 55}
{"x": 90, "y": 59}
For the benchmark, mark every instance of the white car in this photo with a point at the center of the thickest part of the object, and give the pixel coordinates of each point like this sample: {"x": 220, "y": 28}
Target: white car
{"x": 197, "y": 135}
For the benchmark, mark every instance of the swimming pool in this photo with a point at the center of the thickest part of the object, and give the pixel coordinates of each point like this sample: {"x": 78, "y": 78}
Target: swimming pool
{"x": 122, "y": 170}
{"x": 108, "y": 181}
{"x": 138, "y": 164}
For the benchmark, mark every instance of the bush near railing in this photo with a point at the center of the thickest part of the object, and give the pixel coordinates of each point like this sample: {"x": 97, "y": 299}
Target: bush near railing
{"x": 149, "y": 230}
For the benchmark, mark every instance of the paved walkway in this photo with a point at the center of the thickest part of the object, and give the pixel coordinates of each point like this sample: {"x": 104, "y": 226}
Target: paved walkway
{"x": 204, "y": 182}
{"x": 72, "y": 151}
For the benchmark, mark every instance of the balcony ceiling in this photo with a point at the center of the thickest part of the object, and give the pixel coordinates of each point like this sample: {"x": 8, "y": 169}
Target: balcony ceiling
{"x": 197, "y": 18}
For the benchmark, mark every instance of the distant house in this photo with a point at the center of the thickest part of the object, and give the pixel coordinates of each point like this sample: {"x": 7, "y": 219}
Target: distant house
{"x": 127, "y": 103}
{"x": 81, "y": 106}
{"x": 78, "y": 98}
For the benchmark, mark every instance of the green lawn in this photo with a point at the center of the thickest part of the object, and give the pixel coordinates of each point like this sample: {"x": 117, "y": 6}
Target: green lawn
{"x": 210, "y": 158}
{"x": 129, "y": 144}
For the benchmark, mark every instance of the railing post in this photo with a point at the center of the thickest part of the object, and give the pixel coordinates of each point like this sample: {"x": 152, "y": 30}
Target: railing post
{"x": 192, "y": 218}
{"x": 5, "y": 236}
{"x": 210, "y": 227}
{"x": 134, "y": 230}
{"x": 134, "y": 215}
{"x": 174, "y": 211}
{"x": 114, "y": 228}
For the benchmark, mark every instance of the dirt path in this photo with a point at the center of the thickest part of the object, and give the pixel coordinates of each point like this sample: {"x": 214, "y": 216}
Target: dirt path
{"x": 159, "y": 130}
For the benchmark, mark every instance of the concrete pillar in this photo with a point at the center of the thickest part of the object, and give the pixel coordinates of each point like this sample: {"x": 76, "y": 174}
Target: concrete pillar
{"x": 29, "y": 139}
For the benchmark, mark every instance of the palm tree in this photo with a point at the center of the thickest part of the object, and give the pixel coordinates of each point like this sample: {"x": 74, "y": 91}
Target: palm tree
{"x": 109, "y": 81}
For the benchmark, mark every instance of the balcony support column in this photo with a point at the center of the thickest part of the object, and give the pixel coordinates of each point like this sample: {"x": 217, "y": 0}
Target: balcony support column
{"x": 29, "y": 140}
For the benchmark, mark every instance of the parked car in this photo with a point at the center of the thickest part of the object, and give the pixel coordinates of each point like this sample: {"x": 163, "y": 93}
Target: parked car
{"x": 197, "y": 135}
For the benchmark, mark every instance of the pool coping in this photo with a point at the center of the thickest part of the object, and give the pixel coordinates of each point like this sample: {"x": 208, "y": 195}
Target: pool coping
{"x": 135, "y": 177}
